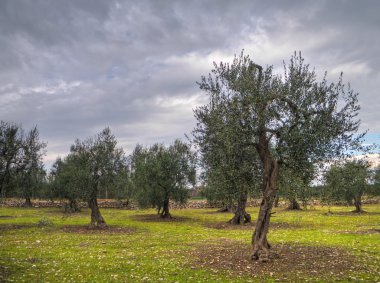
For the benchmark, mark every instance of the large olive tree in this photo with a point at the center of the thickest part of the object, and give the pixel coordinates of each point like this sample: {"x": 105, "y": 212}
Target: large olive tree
{"x": 293, "y": 120}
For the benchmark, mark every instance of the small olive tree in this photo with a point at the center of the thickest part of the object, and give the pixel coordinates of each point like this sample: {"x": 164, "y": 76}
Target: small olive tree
{"x": 11, "y": 145}
{"x": 160, "y": 174}
{"x": 31, "y": 174}
{"x": 348, "y": 181}
{"x": 64, "y": 182}
{"x": 92, "y": 165}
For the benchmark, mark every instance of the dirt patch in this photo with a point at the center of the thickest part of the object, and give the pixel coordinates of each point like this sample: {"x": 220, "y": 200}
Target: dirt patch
{"x": 84, "y": 229}
{"x": 4, "y": 273}
{"x": 369, "y": 231}
{"x": 287, "y": 262}
{"x": 361, "y": 232}
{"x": 4, "y": 227}
{"x": 157, "y": 218}
{"x": 350, "y": 213}
{"x": 250, "y": 226}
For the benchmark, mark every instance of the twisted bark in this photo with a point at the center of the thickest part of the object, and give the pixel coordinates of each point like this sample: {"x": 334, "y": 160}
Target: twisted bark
{"x": 97, "y": 219}
{"x": 165, "y": 209}
{"x": 241, "y": 216}
{"x": 259, "y": 238}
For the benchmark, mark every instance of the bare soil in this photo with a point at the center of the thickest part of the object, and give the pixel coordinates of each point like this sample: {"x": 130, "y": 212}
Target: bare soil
{"x": 362, "y": 232}
{"x": 288, "y": 263}
{"x": 158, "y": 218}
{"x": 84, "y": 229}
{"x": 4, "y": 227}
{"x": 250, "y": 226}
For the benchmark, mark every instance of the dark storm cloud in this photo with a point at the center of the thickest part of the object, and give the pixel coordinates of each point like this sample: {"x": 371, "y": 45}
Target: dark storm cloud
{"x": 74, "y": 67}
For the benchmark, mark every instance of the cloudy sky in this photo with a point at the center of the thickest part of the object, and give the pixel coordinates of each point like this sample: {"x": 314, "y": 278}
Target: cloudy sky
{"x": 75, "y": 67}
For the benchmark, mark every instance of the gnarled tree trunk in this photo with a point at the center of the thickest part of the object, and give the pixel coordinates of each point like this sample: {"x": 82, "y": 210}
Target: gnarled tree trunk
{"x": 227, "y": 208}
{"x": 259, "y": 238}
{"x": 72, "y": 206}
{"x": 241, "y": 216}
{"x": 276, "y": 201}
{"x": 165, "y": 209}
{"x": 294, "y": 205}
{"x": 358, "y": 203}
{"x": 28, "y": 202}
{"x": 97, "y": 219}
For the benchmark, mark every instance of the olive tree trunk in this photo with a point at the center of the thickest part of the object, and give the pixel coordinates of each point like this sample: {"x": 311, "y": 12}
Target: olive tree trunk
{"x": 241, "y": 216}
{"x": 165, "y": 209}
{"x": 28, "y": 202}
{"x": 72, "y": 206}
{"x": 358, "y": 203}
{"x": 294, "y": 205}
{"x": 276, "y": 201}
{"x": 97, "y": 219}
{"x": 229, "y": 207}
{"x": 259, "y": 238}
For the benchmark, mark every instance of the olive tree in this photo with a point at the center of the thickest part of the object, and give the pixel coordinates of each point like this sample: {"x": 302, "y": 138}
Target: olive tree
{"x": 91, "y": 166}
{"x": 11, "y": 145}
{"x": 295, "y": 185}
{"x": 63, "y": 182}
{"x": 293, "y": 120}
{"x": 160, "y": 174}
{"x": 348, "y": 181}
{"x": 31, "y": 174}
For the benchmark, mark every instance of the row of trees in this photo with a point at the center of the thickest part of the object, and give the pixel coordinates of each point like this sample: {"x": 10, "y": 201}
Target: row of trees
{"x": 151, "y": 175}
{"x": 343, "y": 183}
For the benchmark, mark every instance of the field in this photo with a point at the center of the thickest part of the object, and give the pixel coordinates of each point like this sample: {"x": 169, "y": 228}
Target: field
{"x": 318, "y": 245}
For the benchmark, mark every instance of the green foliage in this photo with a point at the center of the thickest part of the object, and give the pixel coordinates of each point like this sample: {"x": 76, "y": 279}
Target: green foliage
{"x": 295, "y": 185}
{"x": 376, "y": 182}
{"x": 11, "y": 144}
{"x": 299, "y": 115}
{"x": 92, "y": 165}
{"x": 160, "y": 174}
{"x": 21, "y": 168}
{"x": 31, "y": 174}
{"x": 230, "y": 162}
{"x": 347, "y": 181}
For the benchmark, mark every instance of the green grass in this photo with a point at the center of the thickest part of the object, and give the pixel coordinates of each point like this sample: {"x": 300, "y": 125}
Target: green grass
{"x": 161, "y": 251}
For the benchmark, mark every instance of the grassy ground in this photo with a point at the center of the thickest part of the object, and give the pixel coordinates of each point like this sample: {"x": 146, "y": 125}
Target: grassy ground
{"x": 44, "y": 245}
